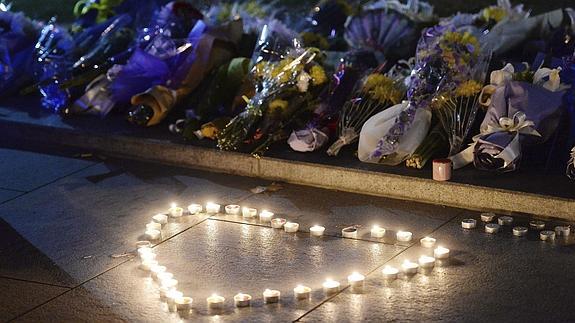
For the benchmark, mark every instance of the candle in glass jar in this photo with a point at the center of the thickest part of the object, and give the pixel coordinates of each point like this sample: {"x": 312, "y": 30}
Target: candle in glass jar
{"x": 409, "y": 267}
{"x": 316, "y": 231}
{"x": 404, "y": 236}
{"x": 176, "y": 211}
{"x": 330, "y": 286}
{"x": 442, "y": 169}
{"x": 302, "y": 292}
{"x": 291, "y": 227}
{"x": 278, "y": 223}
{"x": 248, "y": 212}
{"x": 356, "y": 281}
{"x": 426, "y": 262}
{"x": 232, "y": 209}
{"x": 212, "y": 208}
{"x": 487, "y": 216}
{"x": 183, "y": 304}
{"x": 160, "y": 218}
{"x": 492, "y": 228}
{"x": 441, "y": 253}
{"x": 215, "y": 302}
{"x": 195, "y": 208}
{"x": 468, "y": 223}
{"x": 505, "y": 220}
{"x": 271, "y": 296}
{"x": 390, "y": 273}
{"x": 377, "y": 232}
{"x": 242, "y": 300}
{"x": 266, "y": 216}
{"x": 153, "y": 234}
{"x": 427, "y": 242}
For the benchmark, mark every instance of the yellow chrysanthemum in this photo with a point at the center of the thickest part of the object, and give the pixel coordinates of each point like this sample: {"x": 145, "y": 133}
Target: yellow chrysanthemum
{"x": 278, "y": 105}
{"x": 318, "y": 76}
{"x": 494, "y": 13}
{"x": 374, "y": 80}
{"x": 389, "y": 93}
{"x": 468, "y": 88}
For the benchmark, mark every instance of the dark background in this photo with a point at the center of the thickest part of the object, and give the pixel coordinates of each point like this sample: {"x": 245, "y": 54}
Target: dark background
{"x": 63, "y": 8}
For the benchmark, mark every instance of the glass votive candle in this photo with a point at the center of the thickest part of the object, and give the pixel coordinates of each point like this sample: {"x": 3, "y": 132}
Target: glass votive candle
{"x": 155, "y": 270}
{"x": 171, "y": 297}
{"x": 562, "y": 231}
{"x": 537, "y": 225}
{"x": 147, "y": 265}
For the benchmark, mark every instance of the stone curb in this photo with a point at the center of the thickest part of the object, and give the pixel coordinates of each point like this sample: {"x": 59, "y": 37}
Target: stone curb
{"x": 476, "y": 198}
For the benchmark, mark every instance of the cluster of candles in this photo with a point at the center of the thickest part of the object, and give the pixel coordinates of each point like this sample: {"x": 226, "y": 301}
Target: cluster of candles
{"x": 176, "y": 300}
{"x": 518, "y": 231}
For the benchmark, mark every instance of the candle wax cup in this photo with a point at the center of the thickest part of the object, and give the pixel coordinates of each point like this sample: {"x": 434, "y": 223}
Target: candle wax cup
{"x": 441, "y": 253}
{"x": 316, "y": 231}
{"x": 176, "y": 212}
{"x": 215, "y": 302}
{"x": 349, "y": 232}
{"x": 212, "y": 208}
{"x": 538, "y": 225}
{"x": 505, "y": 220}
{"x": 547, "y": 235}
{"x": 153, "y": 226}
{"x": 248, "y": 212}
{"x": 195, "y": 208}
{"x": 487, "y": 217}
{"x": 291, "y": 227}
{"x": 242, "y": 300}
{"x": 153, "y": 234}
{"x": 278, "y": 223}
{"x": 404, "y": 236}
{"x": 271, "y": 296}
{"x": 562, "y": 231}
{"x": 266, "y": 216}
{"x": 377, "y": 232}
{"x": 160, "y": 218}
{"x": 183, "y": 303}
{"x": 426, "y": 262}
{"x": 427, "y": 242}
{"x": 232, "y": 209}
{"x": 356, "y": 281}
{"x": 148, "y": 264}
{"x": 468, "y": 223}
{"x": 331, "y": 287}
{"x": 171, "y": 297}
{"x": 143, "y": 244}
{"x": 302, "y": 292}
{"x": 520, "y": 231}
{"x": 409, "y": 268}
{"x": 155, "y": 270}
{"x": 492, "y": 228}
{"x": 390, "y": 273}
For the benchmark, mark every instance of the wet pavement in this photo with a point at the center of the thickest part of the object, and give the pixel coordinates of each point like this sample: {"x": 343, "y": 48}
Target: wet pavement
{"x": 68, "y": 229}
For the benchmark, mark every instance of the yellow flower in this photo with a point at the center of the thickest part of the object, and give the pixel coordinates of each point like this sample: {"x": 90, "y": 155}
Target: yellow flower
{"x": 278, "y": 105}
{"x": 318, "y": 76}
{"x": 374, "y": 80}
{"x": 388, "y": 93}
{"x": 312, "y": 39}
{"x": 494, "y": 13}
{"x": 468, "y": 88}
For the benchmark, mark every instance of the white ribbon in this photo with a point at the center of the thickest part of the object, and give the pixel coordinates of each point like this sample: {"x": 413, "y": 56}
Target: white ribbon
{"x": 518, "y": 125}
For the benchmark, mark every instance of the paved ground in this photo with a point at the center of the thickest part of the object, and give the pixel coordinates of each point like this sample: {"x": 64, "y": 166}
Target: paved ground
{"x": 66, "y": 222}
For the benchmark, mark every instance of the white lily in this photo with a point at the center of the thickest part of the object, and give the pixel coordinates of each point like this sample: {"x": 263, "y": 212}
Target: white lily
{"x": 502, "y": 76}
{"x": 554, "y": 82}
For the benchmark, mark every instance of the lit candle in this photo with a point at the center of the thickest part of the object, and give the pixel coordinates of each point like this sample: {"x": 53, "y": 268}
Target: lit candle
{"x": 212, "y": 208}
{"x": 271, "y": 296}
{"x": 215, "y": 302}
{"x": 404, "y": 236}
{"x": 183, "y": 304}
{"x": 468, "y": 223}
{"x": 242, "y": 300}
{"x": 547, "y": 235}
{"x": 487, "y": 216}
{"x": 427, "y": 242}
{"x": 562, "y": 231}
{"x": 409, "y": 267}
{"x": 278, "y": 223}
{"x": 176, "y": 211}
{"x": 505, "y": 220}
{"x": 356, "y": 281}
{"x": 164, "y": 292}
{"x": 143, "y": 243}
{"x": 266, "y": 216}
{"x": 377, "y": 231}
{"x": 171, "y": 297}
{"x": 291, "y": 227}
{"x": 330, "y": 286}
{"x": 537, "y": 225}
{"x": 441, "y": 253}
{"x": 160, "y": 218}
{"x": 165, "y": 276}
{"x": 232, "y": 209}
{"x": 169, "y": 283}
{"x": 349, "y": 232}
{"x": 390, "y": 273}
{"x": 248, "y": 212}
{"x": 155, "y": 270}
{"x": 145, "y": 253}
{"x": 153, "y": 226}
{"x": 147, "y": 265}
{"x": 316, "y": 231}
{"x": 492, "y": 228}
{"x": 153, "y": 234}
{"x": 195, "y": 208}
{"x": 520, "y": 231}
{"x": 302, "y": 292}
{"x": 426, "y": 262}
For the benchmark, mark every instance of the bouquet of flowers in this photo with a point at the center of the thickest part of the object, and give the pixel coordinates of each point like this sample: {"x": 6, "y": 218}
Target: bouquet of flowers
{"x": 376, "y": 92}
{"x": 285, "y": 90}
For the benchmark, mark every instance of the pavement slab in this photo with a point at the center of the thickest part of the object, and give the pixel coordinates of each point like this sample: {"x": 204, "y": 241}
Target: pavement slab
{"x": 489, "y": 278}
{"x": 222, "y": 257}
{"x": 18, "y": 297}
{"x": 83, "y": 224}
{"x": 6, "y": 195}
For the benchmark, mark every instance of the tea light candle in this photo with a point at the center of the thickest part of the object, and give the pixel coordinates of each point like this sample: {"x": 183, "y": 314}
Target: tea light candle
{"x": 505, "y": 220}
{"x": 547, "y": 235}
{"x": 426, "y": 262}
{"x": 404, "y": 236}
{"x": 184, "y": 304}
{"x": 349, "y": 232}
{"x": 316, "y": 231}
{"x": 232, "y": 209}
{"x": 427, "y": 242}
{"x": 171, "y": 297}
{"x": 146, "y": 253}
{"x": 169, "y": 283}
{"x": 160, "y": 218}
{"x": 248, "y": 212}
{"x": 562, "y": 231}
{"x": 164, "y": 293}
{"x": 278, "y": 223}
{"x": 331, "y": 287}
{"x": 155, "y": 270}
{"x": 215, "y": 302}
{"x": 537, "y": 225}
{"x": 302, "y": 292}
{"x": 492, "y": 228}
{"x": 165, "y": 276}
{"x": 153, "y": 234}
{"x": 468, "y": 223}
{"x": 356, "y": 281}
{"x": 143, "y": 243}
{"x": 390, "y": 273}
{"x": 409, "y": 267}
{"x": 212, "y": 208}
{"x": 441, "y": 253}
{"x": 520, "y": 231}
{"x": 195, "y": 208}
{"x": 242, "y": 300}
{"x": 377, "y": 231}
{"x": 291, "y": 227}
{"x": 147, "y": 265}
{"x": 176, "y": 211}
{"x": 271, "y": 296}
{"x": 266, "y": 216}
{"x": 442, "y": 169}
{"x": 153, "y": 226}
{"x": 487, "y": 216}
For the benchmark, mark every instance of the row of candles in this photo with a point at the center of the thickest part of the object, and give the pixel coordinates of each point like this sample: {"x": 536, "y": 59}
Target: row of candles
{"x": 177, "y": 301}
{"x": 518, "y": 231}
